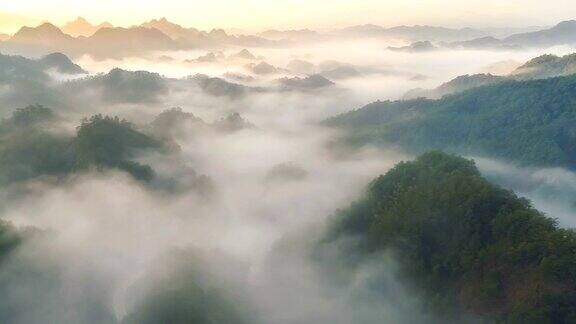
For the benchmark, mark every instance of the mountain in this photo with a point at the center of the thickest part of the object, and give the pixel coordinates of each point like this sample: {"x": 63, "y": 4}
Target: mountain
{"x": 232, "y": 123}
{"x": 29, "y": 82}
{"x": 546, "y": 66}
{"x": 173, "y": 30}
{"x": 109, "y": 142}
{"x": 526, "y": 122}
{"x": 120, "y": 86}
{"x": 311, "y": 82}
{"x": 562, "y": 34}
{"x": 244, "y": 54}
{"x": 503, "y": 32}
{"x": 263, "y": 68}
{"x": 4, "y": 37}
{"x": 343, "y": 71}
{"x": 45, "y": 35}
{"x": 218, "y": 87}
{"x": 81, "y": 27}
{"x": 193, "y": 38}
{"x": 61, "y": 63}
{"x": 238, "y": 77}
{"x": 106, "y": 41}
{"x": 182, "y": 291}
{"x": 488, "y": 42}
{"x": 335, "y": 70}
{"x": 432, "y": 33}
{"x": 542, "y": 67}
{"x": 412, "y": 33}
{"x": 464, "y": 245}
{"x": 416, "y": 47}
{"x": 110, "y": 42}
{"x": 457, "y": 85}
{"x": 30, "y": 149}
{"x": 174, "y": 123}
{"x": 17, "y": 68}
{"x": 207, "y": 58}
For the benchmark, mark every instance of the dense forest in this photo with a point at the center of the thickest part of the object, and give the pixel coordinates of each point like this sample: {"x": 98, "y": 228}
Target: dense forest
{"x": 467, "y": 245}
{"x": 529, "y": 122}
{"x": 184, "y": 293}
{"x": 31, "y": 146}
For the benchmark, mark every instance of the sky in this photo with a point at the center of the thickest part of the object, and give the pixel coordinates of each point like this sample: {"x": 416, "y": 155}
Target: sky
{"x": 286, "y": 14}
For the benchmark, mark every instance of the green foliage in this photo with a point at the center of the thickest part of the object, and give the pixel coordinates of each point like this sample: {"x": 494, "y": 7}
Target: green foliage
{"x": 172, "y": 123}
{"x": 29, "y": 149}
{"x": 182, "y": 292}
{"x": 30, "y": 146}
{"x": 529, "y": 122}
{"x": 9, "y": 239}
{"x": 112, "y": 143}
{"x": 120, "y": 86}
{"x": 184, "y": 303}
{"x": 463, "y": 241}
{"x": 546, "y": 66}
{"x": 31, "y": 115}
{"x": 23, "y": 81}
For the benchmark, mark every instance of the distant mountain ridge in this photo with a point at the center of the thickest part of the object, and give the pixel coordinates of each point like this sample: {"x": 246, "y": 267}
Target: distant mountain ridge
{"x": 81, "y": 27}
{"x": 413, "y": 33}
{"x": 108, "y": 41}
{"x": 81, "y": 37}
{"x": 563, "y": 33}
{"x": 172, "y": 30}
{"x": 45, "y": 34}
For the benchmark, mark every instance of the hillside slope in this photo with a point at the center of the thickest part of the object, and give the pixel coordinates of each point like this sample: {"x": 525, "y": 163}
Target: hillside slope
{"x": 465, "y": 244}
{"x": 528, "y": 122}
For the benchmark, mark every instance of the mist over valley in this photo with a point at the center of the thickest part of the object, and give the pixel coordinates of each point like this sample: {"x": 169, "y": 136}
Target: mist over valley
{"x": 357, "y": 174}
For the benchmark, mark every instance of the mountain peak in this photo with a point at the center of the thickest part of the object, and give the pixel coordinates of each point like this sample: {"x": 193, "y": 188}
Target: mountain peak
{"x": 244, "y": 54}
{"x": 163, "y": 22}
{"x": 82, "y": 27}
{"x": 48, "y": 27}
{"x": 61, "y": 63}
{"x": 41, "y": 32}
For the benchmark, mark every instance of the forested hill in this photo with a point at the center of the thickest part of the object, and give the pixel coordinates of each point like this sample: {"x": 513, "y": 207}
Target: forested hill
{"x": 527, "y": 122}
{"x": 465, "y": 244}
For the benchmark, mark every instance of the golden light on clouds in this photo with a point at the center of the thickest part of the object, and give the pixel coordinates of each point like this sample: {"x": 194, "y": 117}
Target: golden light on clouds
{"x": 260, "y": 14}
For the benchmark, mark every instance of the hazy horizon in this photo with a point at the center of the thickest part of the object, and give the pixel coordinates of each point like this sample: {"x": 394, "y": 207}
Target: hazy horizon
{"x": 258, "y": 15}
